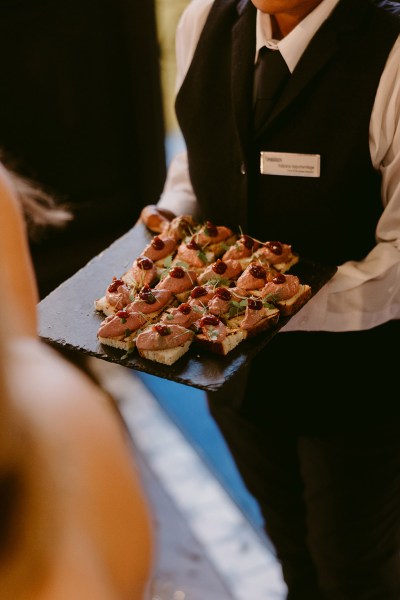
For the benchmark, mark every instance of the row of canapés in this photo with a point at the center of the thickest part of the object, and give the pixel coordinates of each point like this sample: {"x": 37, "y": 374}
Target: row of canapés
{"x": 202, "y": 284}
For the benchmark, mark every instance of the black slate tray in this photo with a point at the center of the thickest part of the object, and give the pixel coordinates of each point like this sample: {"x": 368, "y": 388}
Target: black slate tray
{"x": 67, "y": 318}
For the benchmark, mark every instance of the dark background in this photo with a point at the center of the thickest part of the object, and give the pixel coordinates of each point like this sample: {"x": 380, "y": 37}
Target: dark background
{"x": 81, "y": 114}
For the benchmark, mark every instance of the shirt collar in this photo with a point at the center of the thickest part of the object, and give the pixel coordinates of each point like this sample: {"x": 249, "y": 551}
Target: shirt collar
{"x": 293, "y": 45}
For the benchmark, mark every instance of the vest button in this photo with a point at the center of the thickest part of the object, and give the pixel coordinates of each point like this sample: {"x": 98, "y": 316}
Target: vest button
{"x": 243, "y": 168}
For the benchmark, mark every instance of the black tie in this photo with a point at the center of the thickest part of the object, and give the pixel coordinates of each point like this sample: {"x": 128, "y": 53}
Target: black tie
{"x": 271, "y": 73}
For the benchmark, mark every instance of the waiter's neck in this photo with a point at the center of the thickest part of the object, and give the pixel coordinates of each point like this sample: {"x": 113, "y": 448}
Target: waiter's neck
{"x": 285, "y": 14}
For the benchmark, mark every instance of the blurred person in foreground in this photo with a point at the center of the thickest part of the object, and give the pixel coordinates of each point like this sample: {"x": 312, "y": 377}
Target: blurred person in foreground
{"x": 74, "y": 519}
{"x": 314, "y": 422}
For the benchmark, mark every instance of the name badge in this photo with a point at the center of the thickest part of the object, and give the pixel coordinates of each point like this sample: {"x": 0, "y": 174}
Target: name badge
{"x": 290, "y": 164}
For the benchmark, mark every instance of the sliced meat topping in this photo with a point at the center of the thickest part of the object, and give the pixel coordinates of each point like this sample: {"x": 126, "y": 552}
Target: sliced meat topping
{"x": 143, "y": 272}
{"x": 254, "y": 277}
{"x": 230, "y": 307}
{"x": 201, "y": 295}
{"x": 282, "y": 287}
{"x": 184, "y": 315}
{"x": 194, "y": 255}
{"x": 149, "y": 300}
{"x": 273, "y": 253}
{"x": 212, "y": 328}
{"x": 178, "y": 280}
{"x": 160, "y": 247}
{"x": 242, "y": 248}
{"x": 212, "y": 234}
{"x": 123, "y": 323}
{"x": 162, "y": 336}
{"x": 254, "y": 313}
{"x": 118, "y": 294}
{"x": 181, "y": 227}
{"x": 221, "y": 271}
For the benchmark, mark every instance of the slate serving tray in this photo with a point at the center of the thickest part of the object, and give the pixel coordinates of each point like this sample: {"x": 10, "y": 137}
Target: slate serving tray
{"x": 67, "y": 318}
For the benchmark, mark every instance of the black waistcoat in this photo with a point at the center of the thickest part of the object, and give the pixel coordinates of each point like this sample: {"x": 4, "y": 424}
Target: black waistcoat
{"x": 325, "y": 109}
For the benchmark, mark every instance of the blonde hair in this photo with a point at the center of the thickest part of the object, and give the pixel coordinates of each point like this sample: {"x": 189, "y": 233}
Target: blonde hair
{"x": 39, "y": 208}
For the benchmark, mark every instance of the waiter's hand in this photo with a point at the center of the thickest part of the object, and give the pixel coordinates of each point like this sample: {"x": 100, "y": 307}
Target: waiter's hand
{"x": 156, "y": 219}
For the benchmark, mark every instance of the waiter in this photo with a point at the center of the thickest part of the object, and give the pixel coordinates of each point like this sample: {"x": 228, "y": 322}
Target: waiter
{"x": 314, "y": 422}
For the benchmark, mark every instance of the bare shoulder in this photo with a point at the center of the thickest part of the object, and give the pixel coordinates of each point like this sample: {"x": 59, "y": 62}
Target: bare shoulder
{"x": 40, "y": 377}
{"x": 97, "y": 485}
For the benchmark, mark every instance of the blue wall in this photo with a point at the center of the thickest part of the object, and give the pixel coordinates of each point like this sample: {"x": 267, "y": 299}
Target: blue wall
{"x": 187, "y": 408}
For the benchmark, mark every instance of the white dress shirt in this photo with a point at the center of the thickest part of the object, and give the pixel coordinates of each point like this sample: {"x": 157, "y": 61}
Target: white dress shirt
{"x": 361, "y": 294}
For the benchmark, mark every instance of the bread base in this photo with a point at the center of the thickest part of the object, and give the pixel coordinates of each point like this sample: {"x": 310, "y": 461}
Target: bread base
{"x": 102, "y": 306}
{"x": 282, "y": 267}
{"x": 232, "y": 340}
{"x": 285, "y": 266}
{"x": 126, "y": 344}
{"x": 132, "y": 284}
{"x": 179, "y": 262}
{"x": 183, "y": 296}
{"x": 164, "y": 263}
{"x": 168, "y": 356}
{"x": 219, "y": 248}
{"x": 291, "y": 306}
{"x": 263, "y": 325}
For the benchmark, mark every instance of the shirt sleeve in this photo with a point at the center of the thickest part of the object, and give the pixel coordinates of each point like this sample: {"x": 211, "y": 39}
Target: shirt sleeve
{"x": 178, "y": 195}
{"x": 365, "y": 294}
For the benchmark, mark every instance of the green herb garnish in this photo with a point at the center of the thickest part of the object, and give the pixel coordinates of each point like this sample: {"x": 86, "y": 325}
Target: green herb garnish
{"x": 202, "y": 256}
{"x": 236, "y": 308}
{"x": 270, "y": 300}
